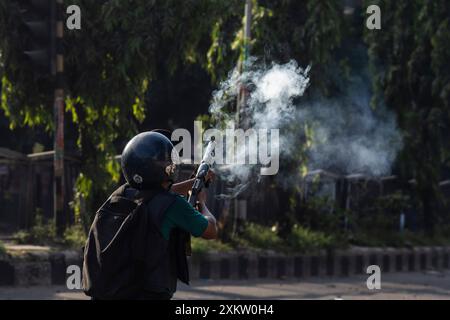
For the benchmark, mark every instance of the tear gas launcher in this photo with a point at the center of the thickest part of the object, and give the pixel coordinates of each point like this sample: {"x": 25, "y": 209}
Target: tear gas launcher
{"x": 202, "y": 172}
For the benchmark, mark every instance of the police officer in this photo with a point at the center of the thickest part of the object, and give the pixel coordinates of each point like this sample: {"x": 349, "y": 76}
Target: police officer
{"x": 148, "y": 164}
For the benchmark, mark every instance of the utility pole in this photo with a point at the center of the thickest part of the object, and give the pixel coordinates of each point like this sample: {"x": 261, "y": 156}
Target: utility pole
{"x": 248, "y": 28}
{"x": 43, "y": 49}
{"x": 239, "y": 204}
{"x": 58, "y": 161}
{"x": 242, "y": 94}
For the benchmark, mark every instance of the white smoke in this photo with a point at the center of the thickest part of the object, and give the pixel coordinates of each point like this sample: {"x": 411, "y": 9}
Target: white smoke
{"x": 347, "y": 135}
{"x": 271, "y": 92}
{"x": 269, "y": 105}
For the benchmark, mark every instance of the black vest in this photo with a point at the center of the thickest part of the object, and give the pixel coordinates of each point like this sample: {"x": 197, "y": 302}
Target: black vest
{"x": 126, "y": 255}
{"x": 166, "y": 260}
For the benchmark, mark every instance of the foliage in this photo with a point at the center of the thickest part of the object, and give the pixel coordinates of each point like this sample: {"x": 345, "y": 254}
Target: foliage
{"x": 410, "y": 63}
{"x": 319, "y": 213}
{"x": 380, "y": 225}
{"x": 75, "y": 236}
{"x": 258, "y": 236}
{"x": 109, "y": 64}
{"x": 303, "y": 240}
{"x": 378, "y": 232}
{"x": 307, "y": 31}
{"x": 42, "y": 232}
{"x": 299, "y": 239}
{"x": 124, "y": 46}
{"x": 406, "y": 238}
{"x": 393, "y": 203}
{"x": 202, "y": 246}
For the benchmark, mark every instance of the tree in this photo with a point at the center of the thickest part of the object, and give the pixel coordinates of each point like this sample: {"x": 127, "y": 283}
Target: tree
{"x": 410, "y": 60}
{"x": 309, "y": 32}
{"x": 121, "y": 48}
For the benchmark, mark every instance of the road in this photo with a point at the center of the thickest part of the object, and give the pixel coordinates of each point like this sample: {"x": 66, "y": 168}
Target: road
{"x": 399, "y": 286}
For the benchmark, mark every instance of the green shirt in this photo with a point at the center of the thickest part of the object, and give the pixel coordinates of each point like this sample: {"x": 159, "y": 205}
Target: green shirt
{"x": 182, "y": 215}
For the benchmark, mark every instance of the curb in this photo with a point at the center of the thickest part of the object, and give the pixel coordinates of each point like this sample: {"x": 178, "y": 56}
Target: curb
{"x": 37, "y": 268}
{"x": 340, "y": 263}
{"x": 50, "y": 268}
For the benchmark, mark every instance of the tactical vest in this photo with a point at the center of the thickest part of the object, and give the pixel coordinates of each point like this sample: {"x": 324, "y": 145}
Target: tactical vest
{"x": 126, "y": 255}
{"x": 166, "y": 260}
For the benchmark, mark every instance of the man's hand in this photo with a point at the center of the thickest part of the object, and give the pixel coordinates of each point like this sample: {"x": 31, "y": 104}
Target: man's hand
{"x": 185, "y": 186}
{"x": 210, "y": 176}
{"x": 211, "y": 230}
{"x": 201, "y": 197}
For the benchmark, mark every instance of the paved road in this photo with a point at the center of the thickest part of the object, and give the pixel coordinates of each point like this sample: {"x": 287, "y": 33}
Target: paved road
{"x": 429, "y": 285}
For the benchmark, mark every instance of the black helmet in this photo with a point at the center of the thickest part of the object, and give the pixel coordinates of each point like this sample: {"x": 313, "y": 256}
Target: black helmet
{"x": 148, "y": 160}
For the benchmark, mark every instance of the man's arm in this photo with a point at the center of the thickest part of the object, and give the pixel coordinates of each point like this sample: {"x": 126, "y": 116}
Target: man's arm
{"x": 182, "y": 188}
{"x": 211, "y": 231}
{"x": 198, "y": 222}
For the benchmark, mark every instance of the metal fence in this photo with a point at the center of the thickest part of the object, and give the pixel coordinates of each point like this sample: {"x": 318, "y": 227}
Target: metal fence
{"x": 26, "y": 188}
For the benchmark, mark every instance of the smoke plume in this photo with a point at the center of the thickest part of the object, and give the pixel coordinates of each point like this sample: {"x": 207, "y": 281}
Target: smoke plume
{"x": 344, "y": 135}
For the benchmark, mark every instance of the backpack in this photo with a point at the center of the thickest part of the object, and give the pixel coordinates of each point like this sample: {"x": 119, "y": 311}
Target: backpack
{"x": 115, "y": 248}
